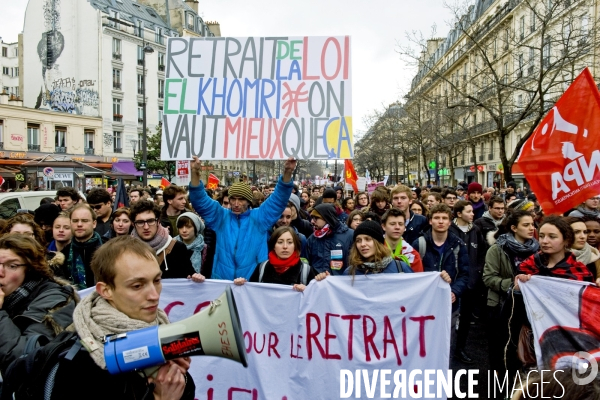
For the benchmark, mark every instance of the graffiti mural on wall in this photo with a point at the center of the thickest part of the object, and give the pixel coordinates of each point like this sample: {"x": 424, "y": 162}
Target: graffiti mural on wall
{"x": 64, "y": 94}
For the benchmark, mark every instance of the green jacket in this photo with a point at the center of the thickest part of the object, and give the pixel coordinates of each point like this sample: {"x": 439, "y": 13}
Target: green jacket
{"x": 498, "y": 274}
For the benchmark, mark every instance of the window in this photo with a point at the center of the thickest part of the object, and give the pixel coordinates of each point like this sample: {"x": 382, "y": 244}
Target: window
{"x": 495, "y": 47}
{"x": 1, "y": 133}
{"x": 116, "y": 78}
{"x": 33, "y": 137}
{"x": 140, "y": 55}
{"x": 161, "y": 89}
{"x": 506, "y": 39}
{"x": 140, "y": 112}
{"x": 505, "y": 77}
{"x": 16, "y": 52}
{"x": 160, "y": 39}
{"x": 115, "y": 15}
{"x": 491, "y": 154}
{"x": 60, "y": 139}
{"x": 5, "y": 71}
{"x": 139, "y": 28}
{"x": 117, "y": 116}
{"x": 161, "y": 61}
{"x": 584, "y": 25}
{"x": 116, "y": 49}
{"x": 4, "y": 51}
{"x": 190, "y": 21}
{"x": 140, "y": 83}
{"x": 160, "y": 114}
{"x": 522, "y": 27}
{"x": 474, "y": 119}
{"x": 532, "y": 21}
{"x": 546, "y": 53}
{"x": 520, "y": 65}
{"x": 520, "y": 100}
{"x": 88, "y": 141}
{"x": 117, "y": 147}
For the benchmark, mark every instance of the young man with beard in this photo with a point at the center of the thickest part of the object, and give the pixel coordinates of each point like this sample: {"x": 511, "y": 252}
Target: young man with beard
{"x": 242, "y": 233}
{"x": 175, "y": 201}
{"x": 134, "y": 196}
{"x": 84, "y": 244}
{"x": 491, "y": 219}
{"x": 101, "y": 202}
{"x": 394, "y": 227}
{"x": 126, "y": 298}
{"x": 441, "y": 250}
{"x": 474, "y": 193}
{"x": 414, "y": 223}
{"x": 173, "y": 256}
{"x": 329, "y": 246}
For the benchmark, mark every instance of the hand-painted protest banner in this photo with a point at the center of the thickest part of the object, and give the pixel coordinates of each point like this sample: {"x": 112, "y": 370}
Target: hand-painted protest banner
{"x": 258, "y": 98}
{"x": 297, "y": 343}
{"x": 561, "y": 159}
{"x": 564, "y": 325}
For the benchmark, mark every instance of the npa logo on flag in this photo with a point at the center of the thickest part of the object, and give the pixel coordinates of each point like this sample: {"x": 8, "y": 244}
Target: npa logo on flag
{"x": 561, "y": 159}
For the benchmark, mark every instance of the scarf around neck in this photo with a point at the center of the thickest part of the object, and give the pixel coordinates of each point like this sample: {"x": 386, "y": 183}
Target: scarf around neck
{"x": 516, "y": 250}
{"x": 324, "y": 231}
{"x": 587, "y": 255}
{"x": 375, "y": 267}
{"x": 12, "y": 301}
{"x": 587, "y": 213}
{"x": 469, "y": 225}
{"x": 159, "y": 241}
{"x": 496, "y": 222}
{"x": 95, "y": 318}
{"x": 76, "y": 263}
{"x": 282, "y": 265}
{"x": 478, "y": 205}
{"x": 398, "y": 252}
{"x": 196, "y": 247}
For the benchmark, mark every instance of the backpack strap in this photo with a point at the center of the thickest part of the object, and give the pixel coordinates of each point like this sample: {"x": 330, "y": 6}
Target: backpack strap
{"x": 262, "y": 270}
{"x": 456, "y": 251}
{"x": 422, "y": 247}
{"x": 304, "y": 273}
{"x": 33, "y": 342}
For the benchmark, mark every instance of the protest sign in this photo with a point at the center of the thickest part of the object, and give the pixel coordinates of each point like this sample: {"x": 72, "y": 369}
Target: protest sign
{"x": 183, "y": 172}
{"x": 561, "y": 159}
{"x": 258, "y": 98}
{"x": 563, "y": 325}
{"x": 297, "y": 343}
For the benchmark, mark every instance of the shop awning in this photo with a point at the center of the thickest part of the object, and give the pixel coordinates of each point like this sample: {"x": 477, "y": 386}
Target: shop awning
{"x": 125, "y": 168}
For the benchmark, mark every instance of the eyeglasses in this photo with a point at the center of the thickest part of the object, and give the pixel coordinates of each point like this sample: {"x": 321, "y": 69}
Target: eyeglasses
{"x": 150, "y": 222}
{"x": 11, "y": 266}
{"x": 97, "y": 206}
{"x": 450, "y": 197}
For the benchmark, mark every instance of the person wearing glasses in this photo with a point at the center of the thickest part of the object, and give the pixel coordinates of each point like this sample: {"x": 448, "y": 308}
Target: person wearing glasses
{"x": 32, "y": 300}
{"x": 588, "y": 208}
{"x": 450, "y": 197}
{"x": 101, "y": 202}
{"x": 173, "y": 256}
{"x": 491, "y": 219}
{"x": 84, "y": 244}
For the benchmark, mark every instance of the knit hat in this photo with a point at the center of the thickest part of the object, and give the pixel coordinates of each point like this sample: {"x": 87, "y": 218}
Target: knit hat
{"x": 242, "y": 190}
{"x": 512, "y": 185}
{"x": 195, "y": 220}
{"x": 459, "y": 187}
{"x": 46, "y": 214}
{"x": 520, "y": 204}
{"x": 369, "y": 228}
{"x": 295, "y": 200}
{"x": 474, "y": 187}
{"x": 329, "y": 194}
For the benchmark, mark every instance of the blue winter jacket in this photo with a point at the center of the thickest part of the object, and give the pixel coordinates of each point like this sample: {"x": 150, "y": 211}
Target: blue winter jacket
{"x": 457, "y": 269}
{"x": 414, "y": 227}
{"x": 319, "y": 250}
{"x": 242, "y": 239}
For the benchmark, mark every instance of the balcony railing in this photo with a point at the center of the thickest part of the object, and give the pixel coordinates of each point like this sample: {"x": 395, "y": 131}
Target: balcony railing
{"x": 116, "y": 85}
{"x": 35, "y": 147}
{"x": 116, "y": 56}
{"x": 161, "y": 67}
{"x": 117, "y": 118}
{"x": 481, "y": 157}
{"x": 140, "y": 62}
{"x": 490, "y": 157}
{"x": 117, "y": 150}
{"x": 140, "y": 120}
{"x": 140, "y": 90}
{"x": 59, "y": 149}
{"x": 89, "y": 151}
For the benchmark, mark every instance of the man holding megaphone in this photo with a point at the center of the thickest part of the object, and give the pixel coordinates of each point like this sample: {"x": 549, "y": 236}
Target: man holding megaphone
{"x": 126, "y": 299}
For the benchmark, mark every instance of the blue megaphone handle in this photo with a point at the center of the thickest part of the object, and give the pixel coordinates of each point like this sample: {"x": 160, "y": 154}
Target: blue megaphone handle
{"x": 138, "y": 349}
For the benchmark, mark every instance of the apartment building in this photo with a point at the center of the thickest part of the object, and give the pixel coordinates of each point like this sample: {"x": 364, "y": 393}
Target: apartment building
{"x": 9, "y": 64}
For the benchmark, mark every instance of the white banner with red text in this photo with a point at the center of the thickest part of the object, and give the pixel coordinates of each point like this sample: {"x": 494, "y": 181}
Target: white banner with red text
{"x": 297, "y": 343}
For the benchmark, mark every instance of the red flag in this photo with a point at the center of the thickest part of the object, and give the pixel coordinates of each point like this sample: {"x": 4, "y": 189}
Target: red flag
{"x": 213, "y": 182}
{"x": 1, "y": 181}
{"x": 561, "y": 160}
{"x": 164, "y": 183}
{"x": 351, "y": 176}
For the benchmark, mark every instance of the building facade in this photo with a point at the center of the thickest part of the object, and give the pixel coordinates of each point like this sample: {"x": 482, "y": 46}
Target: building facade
{"x": 9, "y": 65}
{"x": 486, "y": 84}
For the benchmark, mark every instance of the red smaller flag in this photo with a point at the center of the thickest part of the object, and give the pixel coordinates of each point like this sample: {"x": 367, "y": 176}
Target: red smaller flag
{"x": 164, "y": 183}
{"x": 213, "y": 182}
{"x": 351, "y": 176}
{"x": 1, "y": 181}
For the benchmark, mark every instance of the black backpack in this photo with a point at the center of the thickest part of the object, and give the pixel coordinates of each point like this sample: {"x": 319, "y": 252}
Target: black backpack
{"x": 31, "y": 376}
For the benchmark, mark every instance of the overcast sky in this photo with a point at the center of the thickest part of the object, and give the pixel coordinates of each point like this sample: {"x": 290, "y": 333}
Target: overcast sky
{"x": 376, "y": 27}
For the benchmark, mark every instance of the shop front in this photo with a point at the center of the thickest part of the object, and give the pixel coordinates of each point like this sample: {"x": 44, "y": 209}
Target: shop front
{"x": 49, "y": 173}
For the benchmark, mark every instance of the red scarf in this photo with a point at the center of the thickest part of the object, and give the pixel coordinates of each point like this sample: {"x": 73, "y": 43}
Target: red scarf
{"x": 283, "y": 265}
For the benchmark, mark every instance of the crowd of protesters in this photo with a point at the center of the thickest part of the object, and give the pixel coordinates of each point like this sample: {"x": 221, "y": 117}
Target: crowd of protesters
{"x": 482, "y": 242}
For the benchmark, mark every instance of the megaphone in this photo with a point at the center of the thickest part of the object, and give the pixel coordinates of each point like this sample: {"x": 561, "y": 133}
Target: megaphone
{"x": 214, "y": 331}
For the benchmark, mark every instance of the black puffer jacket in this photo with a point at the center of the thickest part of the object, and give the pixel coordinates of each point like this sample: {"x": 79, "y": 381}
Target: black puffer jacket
{"x": 476, "y": 248}
{"x": 48, "y": 311}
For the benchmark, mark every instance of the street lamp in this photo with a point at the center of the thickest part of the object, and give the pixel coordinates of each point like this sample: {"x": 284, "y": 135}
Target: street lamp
{"x": 149, "y": 50}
